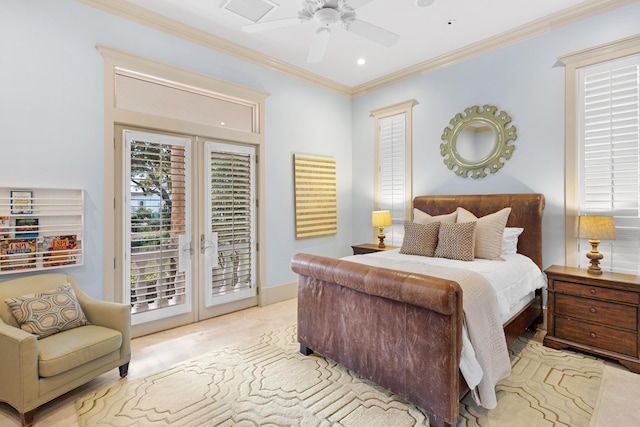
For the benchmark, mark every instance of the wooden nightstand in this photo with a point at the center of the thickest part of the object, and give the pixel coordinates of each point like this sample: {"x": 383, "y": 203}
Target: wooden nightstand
{"x": 367, "y": 248}
{"x": 596, "y": 314}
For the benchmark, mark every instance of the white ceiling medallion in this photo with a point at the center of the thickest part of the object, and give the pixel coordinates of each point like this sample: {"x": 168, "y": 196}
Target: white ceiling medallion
{"x": 252, "y": 10}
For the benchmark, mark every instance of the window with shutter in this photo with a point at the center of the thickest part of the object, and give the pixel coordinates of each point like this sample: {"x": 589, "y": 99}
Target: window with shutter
{"x": 231, "y": 216}
{"x": 608, "y": 183}
{"x": 158, "y": 219}
{"x": 392, "y": 173}
{"x": 393, "y": 167}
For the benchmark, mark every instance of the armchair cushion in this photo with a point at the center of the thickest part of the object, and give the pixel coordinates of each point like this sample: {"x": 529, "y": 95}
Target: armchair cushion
{"x": 69, "y": 349}
{"x": 47, "y": 313}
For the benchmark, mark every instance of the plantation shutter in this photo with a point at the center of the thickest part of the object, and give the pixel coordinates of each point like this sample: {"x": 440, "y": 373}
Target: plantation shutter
{"x": 392, "y": 185}
{"x": 157, "y": 200}
{"x": 609, "y": 157}
{"x": 231, "y": 217}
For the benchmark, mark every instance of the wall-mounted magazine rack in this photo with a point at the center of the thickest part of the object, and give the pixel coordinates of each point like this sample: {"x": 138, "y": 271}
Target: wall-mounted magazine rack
{"x": 40, "y": 229}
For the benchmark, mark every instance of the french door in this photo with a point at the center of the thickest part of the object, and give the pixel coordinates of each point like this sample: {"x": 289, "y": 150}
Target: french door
{"x": 188, "y": 227}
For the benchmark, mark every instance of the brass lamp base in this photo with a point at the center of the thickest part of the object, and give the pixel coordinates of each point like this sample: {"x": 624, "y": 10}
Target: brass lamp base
{"x": 381, "y": 237}
{"x": 595, "y": 258}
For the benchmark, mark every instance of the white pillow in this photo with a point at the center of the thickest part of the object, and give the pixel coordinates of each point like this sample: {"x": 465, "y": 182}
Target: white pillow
{"x": 488, "y": 231}
{"x": 424, "y": 218}
{"x": 510, "y": 240}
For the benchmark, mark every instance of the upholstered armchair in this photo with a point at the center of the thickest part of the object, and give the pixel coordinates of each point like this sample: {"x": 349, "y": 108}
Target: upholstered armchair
{"x": 35, "y": 369}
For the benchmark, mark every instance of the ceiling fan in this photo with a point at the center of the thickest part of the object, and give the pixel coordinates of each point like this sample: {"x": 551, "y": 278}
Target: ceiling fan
{"x": 327, "y": 14}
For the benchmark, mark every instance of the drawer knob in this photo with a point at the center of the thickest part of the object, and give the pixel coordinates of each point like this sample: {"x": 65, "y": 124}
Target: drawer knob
{"x": 593, "y": 291}
{"x": 592, "y": 310}
{"x": 593, "y": 335}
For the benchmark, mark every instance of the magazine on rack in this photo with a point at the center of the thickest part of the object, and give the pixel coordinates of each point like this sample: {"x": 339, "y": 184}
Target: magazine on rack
{"x": 59, "y": 250}
{"x": 18, "y": 254}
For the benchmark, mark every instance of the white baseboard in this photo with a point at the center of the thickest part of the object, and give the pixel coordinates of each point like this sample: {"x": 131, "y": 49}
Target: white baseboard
{"x": 272, "y": 294}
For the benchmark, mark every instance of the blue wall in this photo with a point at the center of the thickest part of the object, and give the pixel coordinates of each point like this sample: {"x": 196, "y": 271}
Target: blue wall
{"x": 526, "y": 81}
{"x": 51, "y": 121}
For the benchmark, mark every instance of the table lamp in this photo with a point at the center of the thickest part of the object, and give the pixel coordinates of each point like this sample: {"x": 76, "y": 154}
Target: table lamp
{"x": 381, "y": 219}
{"x": 595, "y": 228}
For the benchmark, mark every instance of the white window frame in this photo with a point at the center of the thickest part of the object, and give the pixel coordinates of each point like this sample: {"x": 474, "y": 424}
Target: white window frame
{"x": 248, "y": 289}
{"x": 400, "y": 207}
{"x": 183, "y": 252}
{"x": 114, "y": 59}
{"x": 573, "y": 63}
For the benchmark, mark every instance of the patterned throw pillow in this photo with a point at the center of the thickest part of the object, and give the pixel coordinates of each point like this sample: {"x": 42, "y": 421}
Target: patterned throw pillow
{"x": 48, "y": 313}
{"x": 424, "y": 218}
{"x": 456, "y": 241}
{"x": 489, "y": 231}
{"x": 420, "y": 239}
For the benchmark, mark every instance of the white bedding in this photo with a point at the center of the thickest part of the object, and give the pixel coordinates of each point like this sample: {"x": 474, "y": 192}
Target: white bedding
{"x": 514, "y": 281}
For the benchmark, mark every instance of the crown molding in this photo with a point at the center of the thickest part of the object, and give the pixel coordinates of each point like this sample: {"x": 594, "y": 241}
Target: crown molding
{"x": 574, "y": 14}
{"x": 154, "y": 20}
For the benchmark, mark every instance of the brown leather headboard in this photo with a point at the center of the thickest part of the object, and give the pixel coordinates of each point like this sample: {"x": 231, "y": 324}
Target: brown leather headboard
{"x": 526, "y": 212}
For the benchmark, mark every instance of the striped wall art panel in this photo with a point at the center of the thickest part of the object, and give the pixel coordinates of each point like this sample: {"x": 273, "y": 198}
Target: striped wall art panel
{"x": 315, "y": 196}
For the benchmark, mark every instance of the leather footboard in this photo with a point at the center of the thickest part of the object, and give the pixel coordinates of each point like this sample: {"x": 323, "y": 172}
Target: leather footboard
{"x": 403, "y": 331}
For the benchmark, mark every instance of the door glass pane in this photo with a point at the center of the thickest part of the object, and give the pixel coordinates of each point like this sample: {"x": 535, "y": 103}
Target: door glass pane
{"x": 231, "y": 216}
{"x": 157, "y": 225}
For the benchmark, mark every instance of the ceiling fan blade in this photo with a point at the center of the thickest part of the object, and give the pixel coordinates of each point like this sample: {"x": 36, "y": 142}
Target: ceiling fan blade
{"x": 319, "y": 45}
{"x": 373, "y": 32}
{"x": 270, "y": 25}
{"x": 354, "y": 4}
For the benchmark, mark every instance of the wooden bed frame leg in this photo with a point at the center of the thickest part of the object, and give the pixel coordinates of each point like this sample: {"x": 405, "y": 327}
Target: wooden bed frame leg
{"x": 437, "y": 422}
{"x": 305, "y": 350}
{"x": 27, "y": 418}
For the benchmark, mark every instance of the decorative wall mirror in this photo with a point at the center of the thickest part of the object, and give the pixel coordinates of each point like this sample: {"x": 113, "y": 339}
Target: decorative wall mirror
{"x": 477, "y": 140}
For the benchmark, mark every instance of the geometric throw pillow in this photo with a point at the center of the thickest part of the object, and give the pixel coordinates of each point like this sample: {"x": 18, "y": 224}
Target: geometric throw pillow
{"x": 420, "y": 239}
{"x": 48, "y": 313}
{"x": 489, "y": 231}
{"x": 424, "y": 218}
{"x": 456, "y": 241}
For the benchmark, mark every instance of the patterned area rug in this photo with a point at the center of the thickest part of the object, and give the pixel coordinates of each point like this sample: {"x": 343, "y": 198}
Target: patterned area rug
{"x": 267, "y": 382}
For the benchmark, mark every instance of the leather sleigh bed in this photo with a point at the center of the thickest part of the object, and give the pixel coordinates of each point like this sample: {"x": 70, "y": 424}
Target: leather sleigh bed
{"x": 403, "y": 330}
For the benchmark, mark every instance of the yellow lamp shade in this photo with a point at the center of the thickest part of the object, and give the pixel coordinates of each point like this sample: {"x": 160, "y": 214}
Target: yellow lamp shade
{"x": 381, "y": 218}
{"x": 596, "y": 228}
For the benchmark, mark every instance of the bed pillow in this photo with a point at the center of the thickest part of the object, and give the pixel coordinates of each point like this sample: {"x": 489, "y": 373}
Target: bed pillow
{"x": 456, "y": 241}
{"x": 48, "y": 313}
{"x": 424, "y": 218}
{"x": 489, "y": 231}
{"x": 420, "y": 239}
{"x": 510, "y": 240}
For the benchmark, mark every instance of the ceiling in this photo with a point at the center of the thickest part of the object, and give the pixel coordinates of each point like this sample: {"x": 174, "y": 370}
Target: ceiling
{"x": 440, "y": 33}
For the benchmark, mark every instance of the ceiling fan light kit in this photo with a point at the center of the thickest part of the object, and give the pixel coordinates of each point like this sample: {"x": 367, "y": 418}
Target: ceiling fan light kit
{"x": 327, "y": 14}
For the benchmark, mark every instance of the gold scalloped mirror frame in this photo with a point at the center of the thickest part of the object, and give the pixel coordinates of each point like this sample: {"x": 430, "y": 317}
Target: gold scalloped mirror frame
{"x": 494, "y": 119}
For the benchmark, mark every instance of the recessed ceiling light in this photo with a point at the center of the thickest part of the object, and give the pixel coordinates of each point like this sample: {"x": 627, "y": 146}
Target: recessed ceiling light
{"x": 361, "y": 61}
{"x": 424, "y": 3}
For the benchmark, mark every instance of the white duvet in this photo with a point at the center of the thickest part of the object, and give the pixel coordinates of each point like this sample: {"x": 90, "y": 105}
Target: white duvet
{"x": 514, "y": 281}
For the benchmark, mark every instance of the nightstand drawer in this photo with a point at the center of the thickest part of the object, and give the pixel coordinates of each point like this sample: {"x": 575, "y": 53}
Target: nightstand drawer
{"x": 607, "y": 313}
{"x": 597, "y": 292}
{"x": 597, "y": 336}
